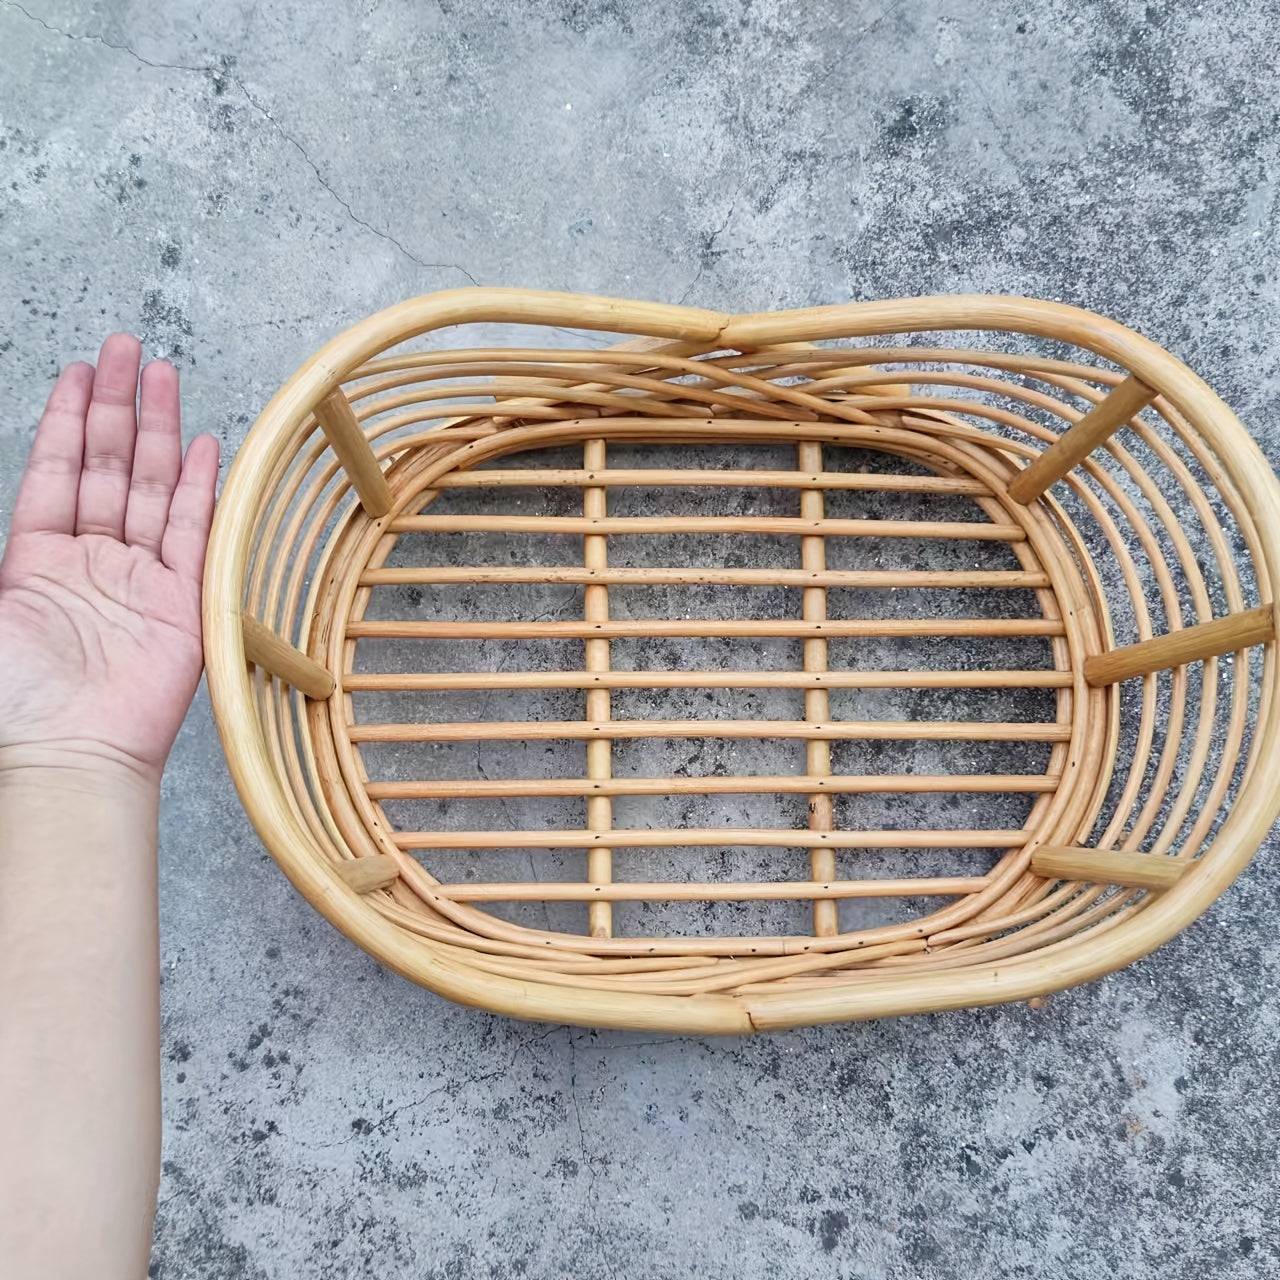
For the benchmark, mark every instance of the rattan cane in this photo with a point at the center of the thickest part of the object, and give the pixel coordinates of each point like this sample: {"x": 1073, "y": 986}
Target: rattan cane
{"x": 830, "y": 664}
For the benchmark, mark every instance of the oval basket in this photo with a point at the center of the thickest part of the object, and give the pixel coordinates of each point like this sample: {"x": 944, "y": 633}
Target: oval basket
{"x": 753, "y": 671}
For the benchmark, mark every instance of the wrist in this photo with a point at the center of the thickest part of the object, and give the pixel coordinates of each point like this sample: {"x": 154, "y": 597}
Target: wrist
{"x": 69, "y": 764}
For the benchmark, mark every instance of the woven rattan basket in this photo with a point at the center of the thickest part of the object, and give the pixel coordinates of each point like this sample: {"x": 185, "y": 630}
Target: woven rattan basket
{"x": 754, "y": 671}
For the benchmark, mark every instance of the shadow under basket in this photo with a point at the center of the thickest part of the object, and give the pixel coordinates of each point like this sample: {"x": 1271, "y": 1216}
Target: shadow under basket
{"x": 755, "y": 671}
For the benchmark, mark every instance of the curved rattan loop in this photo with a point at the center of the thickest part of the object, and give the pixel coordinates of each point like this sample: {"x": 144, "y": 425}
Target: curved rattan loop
{"x": 1149, "y": 543}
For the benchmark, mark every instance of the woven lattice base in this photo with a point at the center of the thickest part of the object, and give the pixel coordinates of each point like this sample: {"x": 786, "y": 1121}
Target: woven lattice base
{"x": 754, "y": 672}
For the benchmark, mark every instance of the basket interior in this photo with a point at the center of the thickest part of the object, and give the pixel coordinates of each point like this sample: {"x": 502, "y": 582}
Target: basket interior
{"x": 737, "y": 681}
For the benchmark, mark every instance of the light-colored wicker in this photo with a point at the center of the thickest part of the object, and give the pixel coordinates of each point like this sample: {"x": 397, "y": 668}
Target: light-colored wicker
{"x": 1136, "y": 720}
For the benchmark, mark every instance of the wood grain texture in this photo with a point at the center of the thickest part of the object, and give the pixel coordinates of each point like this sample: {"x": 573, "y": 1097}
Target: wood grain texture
{"x": 1077, "y": 443}
{"x": 266, "y": 649}
{"x": 1192, "y": 644}
{"x": 1138, "y": 870}
{"x": 364, "y": 875}
{"x": 347, "y": 438}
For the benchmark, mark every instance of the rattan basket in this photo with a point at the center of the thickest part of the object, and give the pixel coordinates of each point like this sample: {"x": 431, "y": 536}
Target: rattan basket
{"x": 756, "y": 671}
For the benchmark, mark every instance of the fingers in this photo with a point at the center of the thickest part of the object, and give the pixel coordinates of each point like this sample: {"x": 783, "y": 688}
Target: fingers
{"x": 191, "y": 512}
{"x": 100, "y": 465}
{"x": 47, "y": 499}
{"x": 110, "y": 428}
{"x": 157, "y": 458}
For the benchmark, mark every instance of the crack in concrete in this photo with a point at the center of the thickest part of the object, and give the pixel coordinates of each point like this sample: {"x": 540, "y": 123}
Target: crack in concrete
{"x": 593, "y": 1192}
{"x": 573, "y": 1097}
{"x": 887, "y": 12}
{"x": 618, "y": 1046}
{"x": 546, "y": 1035}
{"x": 706, "y": 251}
{"x": 91, "y": 38}
{"x": 385, "y": 1118}
{"x": 997, "y": 129}
{"x": 324, "y": 182}
{"x": 388, "y": 1116}
{"x": 224, "y": 71}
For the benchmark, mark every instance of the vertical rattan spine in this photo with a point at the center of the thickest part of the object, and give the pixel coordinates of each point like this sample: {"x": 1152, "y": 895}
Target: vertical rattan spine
{"x": 599, "y": 750}
{"x": 813, "y": 557}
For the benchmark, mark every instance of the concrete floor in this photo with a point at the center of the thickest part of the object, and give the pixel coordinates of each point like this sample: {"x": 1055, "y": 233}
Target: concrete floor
{"x": 237, "y": 181}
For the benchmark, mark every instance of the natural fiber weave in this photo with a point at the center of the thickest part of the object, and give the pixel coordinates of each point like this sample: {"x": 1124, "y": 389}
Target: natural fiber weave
{"x": 825, "y": 569}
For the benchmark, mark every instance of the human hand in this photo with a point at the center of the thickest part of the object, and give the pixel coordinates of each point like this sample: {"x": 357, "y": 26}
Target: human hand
{"x": 100, "y": 641}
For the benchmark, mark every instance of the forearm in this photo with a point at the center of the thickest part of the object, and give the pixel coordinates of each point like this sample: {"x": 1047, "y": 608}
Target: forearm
{"x": 79, "y": 1019}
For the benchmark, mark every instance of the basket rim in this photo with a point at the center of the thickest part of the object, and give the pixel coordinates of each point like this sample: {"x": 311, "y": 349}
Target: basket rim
{"x": 1082, "y": 959}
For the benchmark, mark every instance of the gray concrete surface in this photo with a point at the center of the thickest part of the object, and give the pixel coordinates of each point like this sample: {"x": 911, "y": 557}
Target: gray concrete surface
{"x": 237, "y": 181}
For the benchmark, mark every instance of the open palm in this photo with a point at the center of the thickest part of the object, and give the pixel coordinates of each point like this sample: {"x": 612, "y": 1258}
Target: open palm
{"x": 100, "y": 581}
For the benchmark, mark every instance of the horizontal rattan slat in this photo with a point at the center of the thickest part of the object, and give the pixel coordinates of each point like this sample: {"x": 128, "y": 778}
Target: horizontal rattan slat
{"x": 721, "y": 891}
{"x": 417, "y": 680}
{"x": 868, "y": 628}
{"x": 845, "y": 784}
{"x": 888, "y": 730}
{"x": 621, "y": 477}
{"x": 646, "y": 525}
{"x": 713, "y": 836}
{"x": 885, "y": 580}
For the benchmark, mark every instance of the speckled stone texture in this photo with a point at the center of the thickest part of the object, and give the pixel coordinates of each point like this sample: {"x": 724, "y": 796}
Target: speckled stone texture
{"x": 237, "y": 181}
